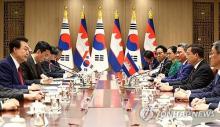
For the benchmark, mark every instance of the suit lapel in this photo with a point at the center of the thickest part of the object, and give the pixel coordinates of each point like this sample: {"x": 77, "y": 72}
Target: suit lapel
{"x": 193, "y": 73}
{"x": 33, "y": 67}
{"x": 14, "y": 69}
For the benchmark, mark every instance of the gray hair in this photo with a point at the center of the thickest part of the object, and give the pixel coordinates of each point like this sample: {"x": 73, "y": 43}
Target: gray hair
{"x": 183, "y": 45}
{"x": 216, "y": 45}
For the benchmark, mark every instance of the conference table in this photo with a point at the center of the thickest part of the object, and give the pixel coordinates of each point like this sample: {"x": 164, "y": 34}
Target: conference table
{"x": 111, "y": 106}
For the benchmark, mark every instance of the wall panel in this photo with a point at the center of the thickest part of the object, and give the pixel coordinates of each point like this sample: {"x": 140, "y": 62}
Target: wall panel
{"x": 172, "y": 18}
{"x": 1, "y": 27}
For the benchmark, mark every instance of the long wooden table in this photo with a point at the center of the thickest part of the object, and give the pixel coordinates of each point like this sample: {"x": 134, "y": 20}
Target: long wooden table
{"x": 106, "y": 96}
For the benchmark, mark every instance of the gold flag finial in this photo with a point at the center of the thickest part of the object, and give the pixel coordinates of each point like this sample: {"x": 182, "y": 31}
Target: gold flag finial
{"x": 100, "y": 13}
{"x": 82, "y": 13}
{"x": 65, "y": 12}
{"x": 116, "y": 14}
{"x": 133, "y": 16}
{"x": 150, "y": 15}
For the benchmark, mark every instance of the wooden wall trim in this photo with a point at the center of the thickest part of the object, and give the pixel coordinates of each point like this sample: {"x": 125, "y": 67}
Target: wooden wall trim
{"x": 1, "y": 27}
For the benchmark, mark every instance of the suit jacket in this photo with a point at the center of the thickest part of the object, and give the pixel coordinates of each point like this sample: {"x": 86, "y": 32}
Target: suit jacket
{"x": 52, "y": 70}
{"x": 175, "y": 66}
{"x": 31, "y": 71}
{"x": 199, "y": 78}
{"x": 164, "y": 68}
{"x": 9, "y": 74}
{"x": 182, "y": 74}
{"x": 212, "y": 90}
{"x": 213, "y": 102}
{"x": 12, "y": 93}
{"x": 154, "y": 65}
{"x": 57, "y": 68}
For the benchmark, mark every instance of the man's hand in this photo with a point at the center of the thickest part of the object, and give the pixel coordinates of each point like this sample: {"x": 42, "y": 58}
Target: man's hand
{"x": 43, "y": 76}
{"x": 161, "y": 75}
{"x": 165, "y": 87}
{"x": 181, "y": 94}
{"x": 10, "y": 104}
{"x": 141, "y": 71}
{"x": 46, "y": 81}
{"x": 34, "y": 87}
{"x": 197, "y": 101}
{"x": 34, "y": 96}
{"x": 67, "y": 75}
{"x": 201, "y": 107}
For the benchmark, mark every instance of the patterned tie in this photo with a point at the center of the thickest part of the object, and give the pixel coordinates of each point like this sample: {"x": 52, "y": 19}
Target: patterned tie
{"x": 20, "y": 77}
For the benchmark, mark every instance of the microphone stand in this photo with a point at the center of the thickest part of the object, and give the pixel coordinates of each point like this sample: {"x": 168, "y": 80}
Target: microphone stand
{"x": 128, "y": 85}
{"x": 72, "y": 72}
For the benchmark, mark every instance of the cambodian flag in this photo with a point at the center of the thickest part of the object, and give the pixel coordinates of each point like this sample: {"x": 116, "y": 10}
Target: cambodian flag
{"x": 150, "y": 37}
{"x": 129, "y": 67}
{"x": 65, "y": 44}
{"x": 82, "y": 45}
{"x": 132, "y": 45}
{"x": 116, "y": 53}
{"x": 99, "y": 51}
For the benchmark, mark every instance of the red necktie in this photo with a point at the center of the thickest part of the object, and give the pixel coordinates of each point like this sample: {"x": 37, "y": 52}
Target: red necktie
{"x": 20, "y": 76}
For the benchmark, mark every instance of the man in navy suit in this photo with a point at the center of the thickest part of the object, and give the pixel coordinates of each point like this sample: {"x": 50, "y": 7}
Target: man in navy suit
{"x": 185, "y": 68}
{"x": 213, "y": 89}
{"x": 10, "y": 71}
{"x": 200, "y": 76}
{"x": 51, "y": 67}
{"x": 151, "y": 61}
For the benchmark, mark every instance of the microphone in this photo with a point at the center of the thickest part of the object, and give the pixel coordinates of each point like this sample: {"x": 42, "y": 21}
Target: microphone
{"x": 58, "y": 67}
{"x": 75, "y": 73}
{"x": 134, "y": 76}
{"x": 65, "y": 66}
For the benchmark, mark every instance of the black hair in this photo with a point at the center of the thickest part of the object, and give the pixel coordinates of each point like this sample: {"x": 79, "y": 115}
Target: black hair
{"x": 216, "y": 45}
{"x": 148, "y": 54}
{"x": 195, "y": 48}
{"x": 16, "y": 43}
{"x": 162, "y": 47}
{"x": 173, "y": 48}
{"x": 54, "y": 50}
{"x": 42, "y": 46}
{"x": 183, "y": 45}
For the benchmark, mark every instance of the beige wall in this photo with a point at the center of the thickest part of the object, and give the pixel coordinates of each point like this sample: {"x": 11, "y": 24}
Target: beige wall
{"x": 172, "y": 18}
{"x": 1, "y": 27}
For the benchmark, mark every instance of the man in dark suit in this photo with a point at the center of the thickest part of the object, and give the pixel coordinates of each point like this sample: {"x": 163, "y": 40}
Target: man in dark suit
{"x": 19, "y": 94}
{"x": 164, "y": 65}
{"x": 213, "y": 89}
{"x": 200, "y": 76}
{"x": 32, "y": 70}
{"x": 205, "y": 103}
{"x": 10, "y": 70}
{"x": 51, "y": 67}
{"x": 185, "y": 68}
{"x": 151, "y": 61}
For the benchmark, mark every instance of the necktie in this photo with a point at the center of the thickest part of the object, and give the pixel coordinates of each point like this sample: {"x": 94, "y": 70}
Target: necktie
{"x": 193, "y": 70}
{"x": 20, "y": 76}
